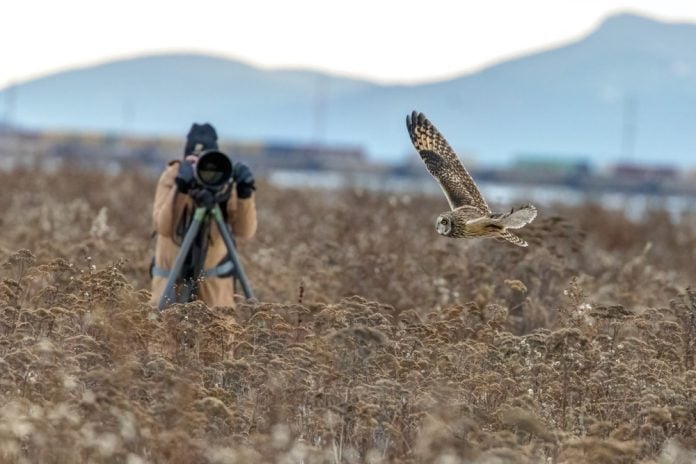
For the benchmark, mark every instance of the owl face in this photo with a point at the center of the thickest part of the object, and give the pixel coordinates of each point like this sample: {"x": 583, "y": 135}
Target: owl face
{"x": 443, "y": 225}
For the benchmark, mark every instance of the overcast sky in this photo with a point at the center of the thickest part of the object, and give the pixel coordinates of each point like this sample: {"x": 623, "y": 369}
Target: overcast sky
{"x": 387, "y": 41}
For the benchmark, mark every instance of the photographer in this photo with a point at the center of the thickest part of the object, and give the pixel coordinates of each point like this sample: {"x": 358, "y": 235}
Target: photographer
{"x": 176, "y": 198}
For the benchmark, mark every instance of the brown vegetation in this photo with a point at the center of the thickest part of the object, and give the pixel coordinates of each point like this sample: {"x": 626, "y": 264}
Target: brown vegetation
{"x": 375, "y": 340}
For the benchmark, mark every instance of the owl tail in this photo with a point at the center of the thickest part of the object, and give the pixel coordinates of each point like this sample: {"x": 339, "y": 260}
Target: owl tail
{"x": 516, "y": 218}
{"x": 512, "y": 238}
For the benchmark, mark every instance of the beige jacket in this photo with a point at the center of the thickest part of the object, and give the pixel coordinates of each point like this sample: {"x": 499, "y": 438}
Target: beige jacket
{"x": 168, "y": 211}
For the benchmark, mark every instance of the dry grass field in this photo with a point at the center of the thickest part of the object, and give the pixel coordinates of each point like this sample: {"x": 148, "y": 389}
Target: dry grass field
{"x": 375, "y": 339}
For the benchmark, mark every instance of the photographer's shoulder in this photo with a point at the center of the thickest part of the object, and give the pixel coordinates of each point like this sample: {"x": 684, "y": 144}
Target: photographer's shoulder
{"x": 172, "y": 169}
{"x": 169, "y": 174}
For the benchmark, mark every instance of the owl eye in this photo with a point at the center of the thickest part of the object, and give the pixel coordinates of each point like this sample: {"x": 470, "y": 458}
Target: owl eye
{"x": 443, "y": 221}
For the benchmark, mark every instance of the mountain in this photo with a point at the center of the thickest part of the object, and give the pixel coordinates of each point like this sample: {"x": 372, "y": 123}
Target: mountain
{"x": 632, "y": 75}
{"x": 165, "y": 93}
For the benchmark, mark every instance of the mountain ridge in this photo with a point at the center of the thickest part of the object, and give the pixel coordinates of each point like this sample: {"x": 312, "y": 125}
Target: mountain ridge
{"x": 566, "y": 99}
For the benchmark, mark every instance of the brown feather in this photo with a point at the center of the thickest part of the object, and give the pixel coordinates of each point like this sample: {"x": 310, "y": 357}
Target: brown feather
{"x": 444, "y": 165}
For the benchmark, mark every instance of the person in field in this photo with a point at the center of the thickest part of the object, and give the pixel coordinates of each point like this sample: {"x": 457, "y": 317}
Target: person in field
{"x": 172, "y": 213}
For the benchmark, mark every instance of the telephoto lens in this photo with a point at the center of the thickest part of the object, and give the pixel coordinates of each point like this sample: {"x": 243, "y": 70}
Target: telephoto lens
{"x": 213, "y": 169}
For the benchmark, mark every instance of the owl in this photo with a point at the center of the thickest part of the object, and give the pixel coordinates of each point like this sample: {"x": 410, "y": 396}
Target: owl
{"x": 470, "y": 216}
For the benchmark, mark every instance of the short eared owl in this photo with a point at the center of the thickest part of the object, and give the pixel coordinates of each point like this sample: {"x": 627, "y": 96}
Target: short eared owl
{"x": 470, "y": 215}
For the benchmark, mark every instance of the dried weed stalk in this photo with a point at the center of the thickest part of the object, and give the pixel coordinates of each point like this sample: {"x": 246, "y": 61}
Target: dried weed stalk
{"x": 579, "y": 349}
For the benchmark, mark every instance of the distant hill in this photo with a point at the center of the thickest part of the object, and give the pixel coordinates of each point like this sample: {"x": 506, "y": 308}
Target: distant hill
{"x": 632, "y": 73}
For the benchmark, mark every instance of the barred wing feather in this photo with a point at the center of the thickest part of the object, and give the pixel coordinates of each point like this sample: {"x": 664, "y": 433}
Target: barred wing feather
{"x": 443, "y": 164}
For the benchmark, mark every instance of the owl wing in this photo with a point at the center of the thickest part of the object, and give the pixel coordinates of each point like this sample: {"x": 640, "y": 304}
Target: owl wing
{"x": 470, "y": 213}
{"x": 444, "y": 165}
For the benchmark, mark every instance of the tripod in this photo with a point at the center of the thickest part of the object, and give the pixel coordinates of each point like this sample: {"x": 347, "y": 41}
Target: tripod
{"x": 201, "y": 214}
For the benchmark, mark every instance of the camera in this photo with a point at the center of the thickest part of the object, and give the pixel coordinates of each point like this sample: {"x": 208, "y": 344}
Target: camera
{"x": 212, "y": 170}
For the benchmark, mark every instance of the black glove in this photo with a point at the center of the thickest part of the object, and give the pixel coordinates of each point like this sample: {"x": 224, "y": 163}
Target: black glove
{"x": 209, "y": 198}
{"x": 203, "y": 197}
{"x": 242, "y": 176}
{"x": 184, "y": 180}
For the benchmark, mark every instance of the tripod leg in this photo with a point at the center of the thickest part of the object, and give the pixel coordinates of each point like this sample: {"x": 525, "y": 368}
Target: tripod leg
{"x": 227, "y": 237}
{"x": 168, "y": 296}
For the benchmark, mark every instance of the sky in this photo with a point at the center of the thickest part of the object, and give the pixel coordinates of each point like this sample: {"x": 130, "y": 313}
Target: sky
{"x": 404, "y": 41}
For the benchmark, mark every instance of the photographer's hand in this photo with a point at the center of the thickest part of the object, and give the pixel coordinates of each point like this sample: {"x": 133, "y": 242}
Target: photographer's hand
{"x": 209, "y": 198}
{"x": 203, "y": 197}
{"x": 244, "y": 180}
{"x": 184, "y": 179}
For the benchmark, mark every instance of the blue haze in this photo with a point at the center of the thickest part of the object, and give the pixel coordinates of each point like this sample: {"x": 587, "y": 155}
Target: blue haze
{"x": 567, "y": 101}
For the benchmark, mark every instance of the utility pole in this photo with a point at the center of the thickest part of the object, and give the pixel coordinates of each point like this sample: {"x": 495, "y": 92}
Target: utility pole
{"x": 10, "y": 104}
{"x": 320, "y": 107}
{"x": 127, "y": 116}
{"x": 629, "y": 128}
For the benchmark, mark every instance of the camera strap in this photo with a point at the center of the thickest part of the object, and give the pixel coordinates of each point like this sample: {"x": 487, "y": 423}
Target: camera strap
{"x": 198, "y": 251}
{"x": 183, "y": 225}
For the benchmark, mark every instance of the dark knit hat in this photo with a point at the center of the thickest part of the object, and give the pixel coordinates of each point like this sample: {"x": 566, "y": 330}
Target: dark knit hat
{"x": 200, "y": 137}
